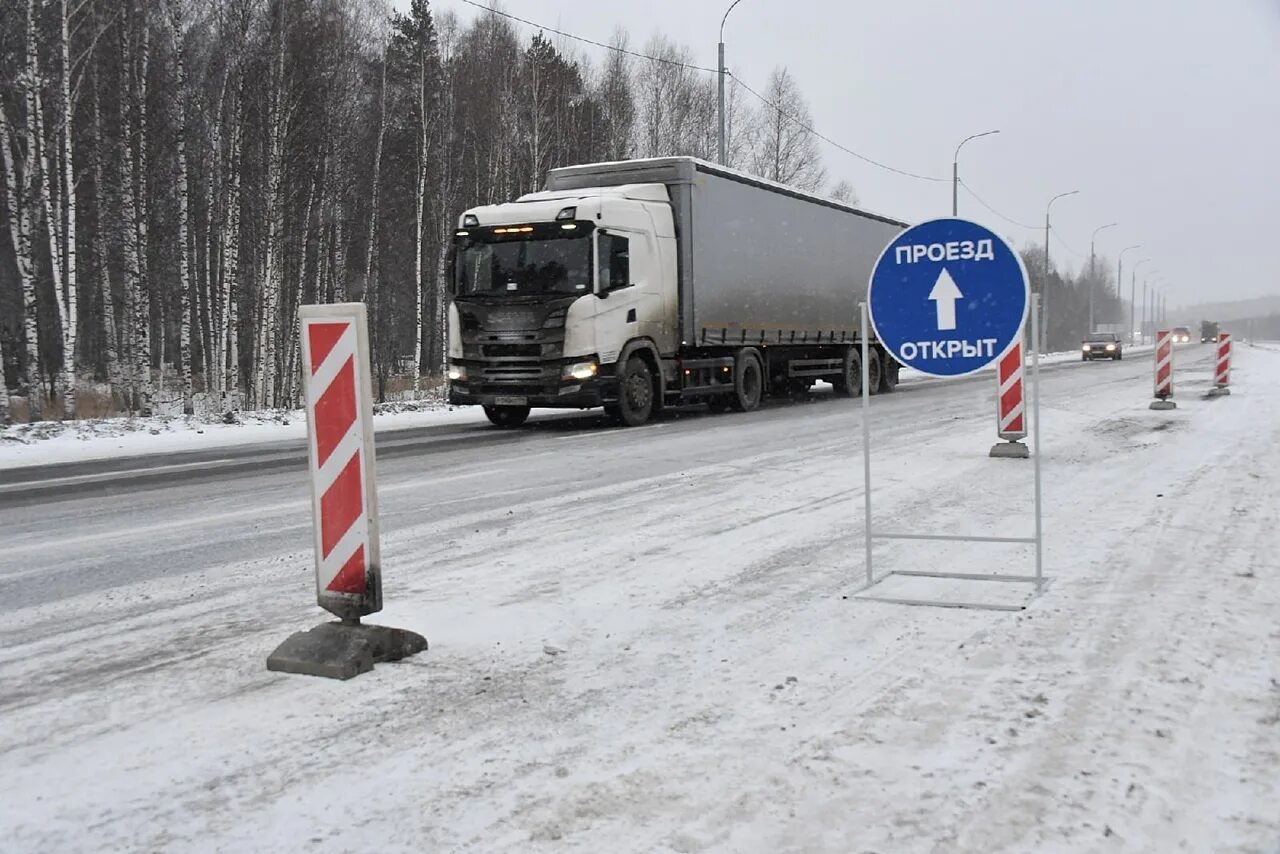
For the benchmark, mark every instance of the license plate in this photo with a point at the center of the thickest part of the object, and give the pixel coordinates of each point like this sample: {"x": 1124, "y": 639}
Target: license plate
{"x": 511, "y": 401}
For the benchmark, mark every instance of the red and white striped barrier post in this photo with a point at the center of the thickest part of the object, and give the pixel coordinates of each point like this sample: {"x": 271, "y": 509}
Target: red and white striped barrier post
{"x": 1164, "y": 371}
{"x": 1222, "y": 374}
{"x": 340, "y": 442}
{"x": 1011, "y": 410}
{"x": 337, "y": 381}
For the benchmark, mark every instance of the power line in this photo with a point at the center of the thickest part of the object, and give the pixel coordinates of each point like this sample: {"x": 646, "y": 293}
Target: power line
{"x": 1065, "y": 245}
{"x": 808, "y": 127}
{"x": 970, "y": 191}
{"x": 790, "y": 117}
{"x": 615, "y": 48}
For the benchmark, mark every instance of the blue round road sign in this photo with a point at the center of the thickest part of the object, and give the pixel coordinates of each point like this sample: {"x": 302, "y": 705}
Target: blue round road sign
{"x": 948, "y": 297}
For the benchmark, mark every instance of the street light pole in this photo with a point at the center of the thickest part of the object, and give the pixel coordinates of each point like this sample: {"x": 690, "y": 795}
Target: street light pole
{"x": 1120, "y": 283}
{"x": 1146, "y": 307}
{"x": 1133, "y": 292}
{"x": 955, "y": 171}
{"x": 1091, "y": 271}
{"x": 1149, "y": 304}
{"x": 723, "y": 156}
{"x": 1044, "y": 287}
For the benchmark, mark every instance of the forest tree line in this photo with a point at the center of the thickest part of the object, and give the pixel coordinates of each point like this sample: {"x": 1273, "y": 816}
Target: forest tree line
{"x": 178, "y": 176}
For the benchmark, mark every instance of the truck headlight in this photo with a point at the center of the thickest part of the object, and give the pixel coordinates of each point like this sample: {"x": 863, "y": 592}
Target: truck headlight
{"x": 457, "y": 373}
{"x": 580, "y": 371}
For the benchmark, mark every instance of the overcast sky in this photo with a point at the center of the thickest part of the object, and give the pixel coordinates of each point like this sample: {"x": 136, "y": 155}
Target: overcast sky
{"x": 1164, "y": 114}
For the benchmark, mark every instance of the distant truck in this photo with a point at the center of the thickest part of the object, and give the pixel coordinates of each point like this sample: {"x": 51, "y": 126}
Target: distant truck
{"x": 648, "y": 283}
{"x": 1208, "y": 331}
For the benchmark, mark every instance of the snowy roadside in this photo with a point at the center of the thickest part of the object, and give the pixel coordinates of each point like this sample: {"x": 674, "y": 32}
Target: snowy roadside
{"x": 54, "y": 442}
{"x": 656, "y": 653}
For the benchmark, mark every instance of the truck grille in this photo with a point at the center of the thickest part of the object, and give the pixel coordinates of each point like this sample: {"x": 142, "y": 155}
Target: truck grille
{"x": 510, "y": 351}
{"x": 512, "y": 373}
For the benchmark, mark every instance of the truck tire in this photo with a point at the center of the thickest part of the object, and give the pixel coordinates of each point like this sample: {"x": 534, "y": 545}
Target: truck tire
{"x": 849, "y": 383}
{"x": 889, "y": 368}
{"x": 748, "y": 381}
{"x": 875, "y": 375}
{"x": 635, "y": 393}
{"x": 507, "y": 417}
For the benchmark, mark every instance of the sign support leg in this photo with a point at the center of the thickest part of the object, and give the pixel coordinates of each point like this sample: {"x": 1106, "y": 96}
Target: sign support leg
{"x": 866, "y": 435}
{"x": 1035, "y": 405}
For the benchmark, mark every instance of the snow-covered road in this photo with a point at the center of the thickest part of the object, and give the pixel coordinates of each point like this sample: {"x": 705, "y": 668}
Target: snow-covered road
{"x": 645, "y": 640}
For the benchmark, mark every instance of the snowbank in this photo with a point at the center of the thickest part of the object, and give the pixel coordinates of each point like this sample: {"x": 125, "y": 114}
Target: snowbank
{"x": 50, "y": 442}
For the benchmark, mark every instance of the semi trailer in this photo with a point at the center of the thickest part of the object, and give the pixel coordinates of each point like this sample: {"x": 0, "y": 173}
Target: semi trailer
{"x": 644, "y": 284}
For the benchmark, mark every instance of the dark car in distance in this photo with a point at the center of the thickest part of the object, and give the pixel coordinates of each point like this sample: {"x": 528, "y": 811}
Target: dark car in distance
{"x": 1181, "y": 335}
{"x": 1102, "y": 345}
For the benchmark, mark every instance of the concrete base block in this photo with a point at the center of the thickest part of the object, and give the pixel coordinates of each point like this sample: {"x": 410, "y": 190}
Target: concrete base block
{"x": 1219, "y": 391}
{"x": 1010, "y": 451}
{"x": 342, "y": 650}
{"x": 1163, "y": 404}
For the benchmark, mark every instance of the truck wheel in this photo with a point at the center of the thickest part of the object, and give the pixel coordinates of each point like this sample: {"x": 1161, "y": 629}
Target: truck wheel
{"x": 507, "y": 417}
{"x": 635, "y": 393}
{"x": 874, "y": 374}
{"x": 888, "y": 375}
{"x": 748, "y": 382}
{"x": 849, "y": 383}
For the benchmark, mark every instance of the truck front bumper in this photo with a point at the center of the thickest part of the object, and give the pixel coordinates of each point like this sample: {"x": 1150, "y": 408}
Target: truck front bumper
{"x": 584, "y": 394}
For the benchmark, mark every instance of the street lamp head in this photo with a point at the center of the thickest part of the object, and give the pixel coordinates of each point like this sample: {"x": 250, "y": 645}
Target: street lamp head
{"x": 967, "y": 138}
{"x": 726, "y": 17}
{"x": 1104, "y": 227}
{"x": 1055, "y": 198}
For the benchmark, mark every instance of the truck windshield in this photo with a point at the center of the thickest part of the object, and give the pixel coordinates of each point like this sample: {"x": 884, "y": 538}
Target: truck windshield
{"x": 546, "y": 258}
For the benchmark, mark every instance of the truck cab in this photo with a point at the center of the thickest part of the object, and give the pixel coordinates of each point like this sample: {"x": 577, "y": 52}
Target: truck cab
{"x": 552, "y": 292}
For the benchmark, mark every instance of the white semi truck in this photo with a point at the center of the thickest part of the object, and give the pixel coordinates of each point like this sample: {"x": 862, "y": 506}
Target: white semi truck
{"x": 648, "y": 283}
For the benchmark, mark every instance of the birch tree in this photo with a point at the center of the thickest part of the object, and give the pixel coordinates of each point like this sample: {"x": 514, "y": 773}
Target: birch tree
{"x": 272, "y": 272}
{"x": 25, "y": 252}
{"x": 184, "y": 224}
{"x": 842, "y": 191}
{"x": 17, "y": 197}
{"x": 787, "y": 151}
{"x": 69, "y": 296}
{"x": 617, "y": 99}
{"x": 417, "y": 50}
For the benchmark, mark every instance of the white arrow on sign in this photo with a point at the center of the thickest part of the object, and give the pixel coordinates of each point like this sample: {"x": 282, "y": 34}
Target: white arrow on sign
{"x": 944, "y": 296}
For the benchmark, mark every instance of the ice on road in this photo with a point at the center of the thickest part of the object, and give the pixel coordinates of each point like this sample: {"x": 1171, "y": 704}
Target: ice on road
{"x": 714, "y": 686}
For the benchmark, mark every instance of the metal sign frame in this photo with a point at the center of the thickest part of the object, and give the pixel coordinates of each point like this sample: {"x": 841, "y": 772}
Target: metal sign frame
{"x": 1039, "y": 579}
